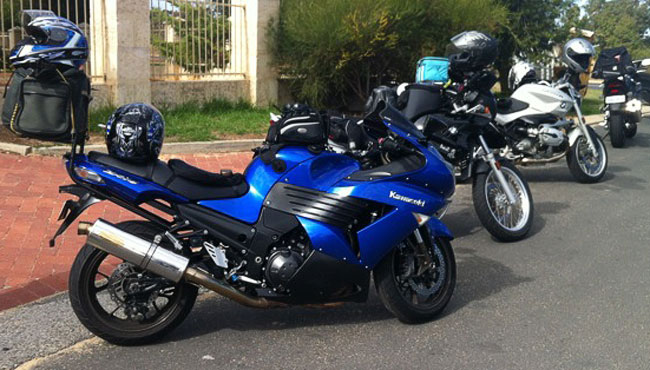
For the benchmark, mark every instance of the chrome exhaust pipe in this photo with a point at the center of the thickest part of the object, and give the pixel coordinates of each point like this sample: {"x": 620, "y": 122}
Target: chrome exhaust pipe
{"x": 204, "y": 279}
{"x": 143, "y": 253}
{"x": 530, "y": 161}
{"x": 150, "y": 256}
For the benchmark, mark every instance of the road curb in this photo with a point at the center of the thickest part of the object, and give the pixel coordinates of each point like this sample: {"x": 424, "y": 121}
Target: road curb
{"x": 221, "y": 146}
{"x": 15, "y": 148}
{"x": 33, "y": 291}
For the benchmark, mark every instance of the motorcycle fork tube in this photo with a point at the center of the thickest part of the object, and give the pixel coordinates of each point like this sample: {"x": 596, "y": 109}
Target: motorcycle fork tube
{"x": 489, "y": 156}
{"x": 583, "y": 128}
{"x": 428, "y": 261}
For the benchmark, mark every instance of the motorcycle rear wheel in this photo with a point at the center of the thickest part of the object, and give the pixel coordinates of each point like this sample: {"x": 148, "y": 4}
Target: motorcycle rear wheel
{"x": 95, "y": 296}
{"x": 617, "y": 130}
{"x": 630, "y": 131}
{"x": 492, "y": 206}
{"x": 416, "y": 299}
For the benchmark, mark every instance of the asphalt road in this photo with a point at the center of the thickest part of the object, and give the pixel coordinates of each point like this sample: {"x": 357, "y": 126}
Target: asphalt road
{"x": 574, "y": 295}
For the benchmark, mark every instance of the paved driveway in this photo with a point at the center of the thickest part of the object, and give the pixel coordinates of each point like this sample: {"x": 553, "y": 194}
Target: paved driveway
{"x": 29, "y": 205}
{"x": 575, "y": 295}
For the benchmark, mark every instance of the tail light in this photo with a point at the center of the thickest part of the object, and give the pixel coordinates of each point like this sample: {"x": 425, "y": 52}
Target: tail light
{"x": 615, "y": 87}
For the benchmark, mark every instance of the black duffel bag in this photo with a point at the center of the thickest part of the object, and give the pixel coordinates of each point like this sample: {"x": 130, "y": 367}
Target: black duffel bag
{"x": 47, "y": 103}
{"x": 299, "y": 125}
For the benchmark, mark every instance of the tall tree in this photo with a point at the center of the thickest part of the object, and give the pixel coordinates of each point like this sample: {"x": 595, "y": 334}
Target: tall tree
{"x": 621, "y": 23}
{"x": 531, "y": 30}
{"x": 336, "y": 51}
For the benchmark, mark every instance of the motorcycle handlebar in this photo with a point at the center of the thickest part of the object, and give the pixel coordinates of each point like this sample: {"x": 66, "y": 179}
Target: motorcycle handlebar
{"x": 392, "y": 146}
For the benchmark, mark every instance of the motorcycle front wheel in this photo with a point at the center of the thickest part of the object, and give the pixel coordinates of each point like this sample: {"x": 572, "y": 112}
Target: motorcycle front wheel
{"x": 414, "y": 287}
{"x": 584, "y": 166}
{"x": 505, "y": 221}
{"x": 122, "y": 304}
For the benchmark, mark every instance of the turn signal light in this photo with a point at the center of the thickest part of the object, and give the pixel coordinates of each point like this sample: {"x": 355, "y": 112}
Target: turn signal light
{"x": 421, "y": 219}
{"x": 87, "y": 174}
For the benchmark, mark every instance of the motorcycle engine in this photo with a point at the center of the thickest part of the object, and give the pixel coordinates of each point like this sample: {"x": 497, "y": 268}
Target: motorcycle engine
{"x": 549, "y": 136}
{"x": 285, "y": 259}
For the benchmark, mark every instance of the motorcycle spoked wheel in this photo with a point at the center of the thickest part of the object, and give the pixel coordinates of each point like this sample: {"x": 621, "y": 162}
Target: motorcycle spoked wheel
{"x": 122, "y": 304}
{"x": 411, "y": 290}
{"x": 582, "y": 164}
{"x": 506, "y": 222}
{"x": 617, "y": 130}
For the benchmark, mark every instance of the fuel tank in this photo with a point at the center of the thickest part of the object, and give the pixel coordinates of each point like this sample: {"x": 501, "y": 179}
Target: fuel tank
{"x": 540, "y": 100}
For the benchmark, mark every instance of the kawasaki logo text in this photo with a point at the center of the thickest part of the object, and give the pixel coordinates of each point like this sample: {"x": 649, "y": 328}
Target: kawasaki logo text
{"x": 417, "y": 202}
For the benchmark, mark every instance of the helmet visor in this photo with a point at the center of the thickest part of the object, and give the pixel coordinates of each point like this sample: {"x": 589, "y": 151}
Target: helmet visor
{"x": 583, "y": 60}
{"x": 451, "y": 49}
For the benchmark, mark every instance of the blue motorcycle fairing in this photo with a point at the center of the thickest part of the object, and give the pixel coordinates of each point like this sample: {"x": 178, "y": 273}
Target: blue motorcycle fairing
{"x": 328, "y": 239}
{"x": 126, "y": 185}
{"x": 260, "y": 178}
{"x": 323, "y": 171}
{"x": 378, "y": 239}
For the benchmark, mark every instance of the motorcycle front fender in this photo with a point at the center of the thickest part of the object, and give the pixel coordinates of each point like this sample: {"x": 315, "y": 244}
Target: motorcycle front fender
{"x": 481, "y": 166}
{"x": 438, "y": 229}
{"x": 574, "y": 134}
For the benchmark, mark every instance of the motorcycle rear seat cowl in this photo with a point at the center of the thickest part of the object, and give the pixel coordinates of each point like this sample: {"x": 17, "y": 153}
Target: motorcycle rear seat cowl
{"x": 182, "y": 178}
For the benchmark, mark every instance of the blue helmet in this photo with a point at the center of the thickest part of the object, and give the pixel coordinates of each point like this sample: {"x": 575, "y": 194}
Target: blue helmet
{"x": 135, "y": 133}
{"x": 51, "y": 39}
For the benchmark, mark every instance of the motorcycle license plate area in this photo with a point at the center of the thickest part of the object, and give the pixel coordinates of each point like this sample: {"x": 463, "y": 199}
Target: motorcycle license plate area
{"x": 615, "y": 99}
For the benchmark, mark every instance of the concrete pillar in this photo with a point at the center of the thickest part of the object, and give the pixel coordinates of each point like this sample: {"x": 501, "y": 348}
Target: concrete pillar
{"x": 127, "y": 51}
{"x": 262, "y": 76}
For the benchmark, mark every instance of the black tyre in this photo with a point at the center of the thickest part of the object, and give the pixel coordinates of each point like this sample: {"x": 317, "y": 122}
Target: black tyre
{"x": 506, "y": 222}
{"x": 630, "y": 130}
{"x": 617, "y": 130}
{"x": 583, "y": 165}
{"x": 126, "y": 306}
{"x": 411, "y": 289}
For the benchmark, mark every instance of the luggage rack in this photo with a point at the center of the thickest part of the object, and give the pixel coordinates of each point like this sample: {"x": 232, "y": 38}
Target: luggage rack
{"x": 89, "y": 195}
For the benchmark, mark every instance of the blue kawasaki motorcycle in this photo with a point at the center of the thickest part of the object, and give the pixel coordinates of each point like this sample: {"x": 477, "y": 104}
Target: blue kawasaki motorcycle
{"x": 305, "y": 228}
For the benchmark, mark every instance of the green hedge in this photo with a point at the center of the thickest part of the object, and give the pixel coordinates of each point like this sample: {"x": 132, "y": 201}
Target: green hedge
{"x": 336, "y": 51}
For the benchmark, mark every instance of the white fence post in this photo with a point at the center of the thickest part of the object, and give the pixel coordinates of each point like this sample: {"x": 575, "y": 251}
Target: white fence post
{"x": 127, "y": 37}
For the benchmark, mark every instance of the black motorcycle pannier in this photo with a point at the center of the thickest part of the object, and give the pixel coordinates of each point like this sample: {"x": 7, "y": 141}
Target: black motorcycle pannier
{"x": 613, "y": 62}
{"x": 299, "y": 125}
{"x": 419, "y": 100}
{"x": 47, "y": 103}
{"x": 379, "y": 94}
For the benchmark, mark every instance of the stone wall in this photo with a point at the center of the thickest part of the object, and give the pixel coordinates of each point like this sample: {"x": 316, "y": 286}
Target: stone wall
{"x": 170, "y": 93}
{"x": 123, "y": 28}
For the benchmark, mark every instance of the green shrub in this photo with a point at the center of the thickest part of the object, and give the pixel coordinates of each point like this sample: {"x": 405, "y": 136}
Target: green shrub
{"x": 337, "y": 50}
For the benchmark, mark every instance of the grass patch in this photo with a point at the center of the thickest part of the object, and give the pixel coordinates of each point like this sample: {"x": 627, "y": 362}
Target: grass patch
{"x": 217, "y": 119}
{"x": 592, "y": 102}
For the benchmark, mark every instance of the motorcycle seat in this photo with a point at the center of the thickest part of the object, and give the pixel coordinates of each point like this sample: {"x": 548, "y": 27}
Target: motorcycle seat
{"x": 182, "y": 178}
